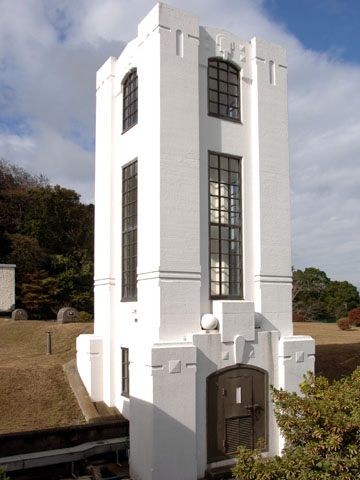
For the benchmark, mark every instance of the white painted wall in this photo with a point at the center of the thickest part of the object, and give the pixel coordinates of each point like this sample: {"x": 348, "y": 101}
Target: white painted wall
{"x": 170, "y": 355}
{"x": 7, "y": 286}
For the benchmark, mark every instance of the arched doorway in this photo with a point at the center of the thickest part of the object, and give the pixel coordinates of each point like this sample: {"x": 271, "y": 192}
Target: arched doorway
{"x": 236, "y": 410}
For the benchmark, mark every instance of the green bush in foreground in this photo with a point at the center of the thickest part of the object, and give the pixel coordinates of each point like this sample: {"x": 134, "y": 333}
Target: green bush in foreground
{"x": 321, "y": 431}
{"x": 85, "y": 317}
{"x": 2, "y": 473}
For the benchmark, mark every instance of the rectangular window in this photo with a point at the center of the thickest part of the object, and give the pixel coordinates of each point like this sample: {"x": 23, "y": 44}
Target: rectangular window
{"x": 125, "y": 372}
{"x": 129, "y": 232}
{"x": 225, "y": 241}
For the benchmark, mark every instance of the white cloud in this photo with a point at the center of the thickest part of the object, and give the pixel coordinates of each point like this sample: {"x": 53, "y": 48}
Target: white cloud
{"x": 10, "y": 144}
{"x": 49, "y": 54}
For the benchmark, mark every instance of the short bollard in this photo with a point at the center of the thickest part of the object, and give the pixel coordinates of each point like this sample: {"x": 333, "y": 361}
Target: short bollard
{"x": 48, "y": 346}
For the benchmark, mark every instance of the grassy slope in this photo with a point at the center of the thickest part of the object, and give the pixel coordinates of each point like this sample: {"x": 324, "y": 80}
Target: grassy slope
{"x": 337, "y": 351}
{"x": 34, "y": 392}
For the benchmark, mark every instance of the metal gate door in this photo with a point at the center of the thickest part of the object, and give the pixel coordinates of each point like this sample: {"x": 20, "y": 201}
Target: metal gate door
{"x": 236, "y": 410}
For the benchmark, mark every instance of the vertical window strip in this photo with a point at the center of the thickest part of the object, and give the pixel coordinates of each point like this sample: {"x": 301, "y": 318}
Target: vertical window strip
{"x": 125, "y": 377}
{"x": 130, "y": 100}
{"x": 129, "y": 233}
{"x": 225, "y": 226}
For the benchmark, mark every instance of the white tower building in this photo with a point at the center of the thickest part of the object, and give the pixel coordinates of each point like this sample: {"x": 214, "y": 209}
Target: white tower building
{"x": 193, "y": 317}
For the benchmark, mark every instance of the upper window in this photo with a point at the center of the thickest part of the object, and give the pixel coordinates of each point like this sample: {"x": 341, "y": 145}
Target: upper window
{"x": 225, "y": 226}
{"x": 129, "y": 232}
{"x": 223, "y": 89}
{"x": 130, "y": 100}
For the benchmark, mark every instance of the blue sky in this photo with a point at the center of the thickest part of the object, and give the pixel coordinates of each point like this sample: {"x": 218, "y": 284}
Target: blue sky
{"x": 322, "y": 25}
{"x": 51, "y": 49}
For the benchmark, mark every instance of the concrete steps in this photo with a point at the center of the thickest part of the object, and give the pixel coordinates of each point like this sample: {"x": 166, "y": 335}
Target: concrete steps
{"x": 219, "y": 473}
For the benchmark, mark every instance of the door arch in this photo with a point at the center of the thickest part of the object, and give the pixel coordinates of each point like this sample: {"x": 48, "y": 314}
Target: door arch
{"x": 236, "y": 410}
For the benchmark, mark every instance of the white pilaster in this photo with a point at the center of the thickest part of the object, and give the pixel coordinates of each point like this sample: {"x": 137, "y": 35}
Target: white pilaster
{"x": 271, "y": 192}
{"x": 104, "y": 221}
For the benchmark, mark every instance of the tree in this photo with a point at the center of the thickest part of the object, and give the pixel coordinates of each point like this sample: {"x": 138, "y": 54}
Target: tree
{"x": 316, "y": 296}
{"x": 58, "y": 220}
{"x": 26, "y": 254}
{"x": 309, "y": 298}
{"x": 321, "y": 429}
{"x": 39, "y": 295}
{"x": 341, "y": 297}
{"x": 14, "y": 185}
{"x": 48, "y": 233}
{"x": 314, "y": 283}
{"x": 73, "y": 278}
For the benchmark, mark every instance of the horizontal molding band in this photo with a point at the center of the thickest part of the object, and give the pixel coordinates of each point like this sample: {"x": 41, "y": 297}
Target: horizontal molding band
{"x": 170, "y": 275}
{"x": 272, "y": 279}
{"x": 103, "y": 281}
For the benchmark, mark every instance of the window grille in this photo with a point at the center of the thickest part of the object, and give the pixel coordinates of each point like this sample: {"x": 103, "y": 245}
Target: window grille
{"x": 125, "y": 372}
{"x": 129, "y": 232}
{"x": 223, "y": 90}
{"x": 130, "y": 100}
{"x": 225, "y": 226}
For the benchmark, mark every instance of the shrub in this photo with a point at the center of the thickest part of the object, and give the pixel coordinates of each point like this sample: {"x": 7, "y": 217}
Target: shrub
{"x": 298, "y": 318}
{"x": 85, "y": 317}
{"x": 2, "y": 474}
{"x": 321, "y": 431}
{"x": 354, "y": 316}
{"x": 344, "y": 323}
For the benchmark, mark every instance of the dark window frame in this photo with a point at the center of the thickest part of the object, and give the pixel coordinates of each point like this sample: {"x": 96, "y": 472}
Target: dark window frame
{"x": 225, "y": 226}
{"x": 125, "y": 372}
{"x": 129, "y": 233}
{"x": 223, "y": 90}
{"x": 130, "y": 100}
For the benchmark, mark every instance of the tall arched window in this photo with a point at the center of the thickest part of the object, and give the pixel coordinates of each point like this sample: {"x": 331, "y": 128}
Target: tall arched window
{"x": 223, "y": 89}
{"x": 130, "y": 100}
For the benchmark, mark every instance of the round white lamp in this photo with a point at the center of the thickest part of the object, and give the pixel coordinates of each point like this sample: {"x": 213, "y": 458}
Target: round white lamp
{"x": 209, "y": 322}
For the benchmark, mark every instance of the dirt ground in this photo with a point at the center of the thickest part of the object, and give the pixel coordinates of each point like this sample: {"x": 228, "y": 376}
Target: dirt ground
{"x": 337, "y": 351}
{"x": 34, "y": 392}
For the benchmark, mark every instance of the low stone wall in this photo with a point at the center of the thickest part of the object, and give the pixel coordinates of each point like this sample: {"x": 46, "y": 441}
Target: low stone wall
{"x": 53, "y": 438}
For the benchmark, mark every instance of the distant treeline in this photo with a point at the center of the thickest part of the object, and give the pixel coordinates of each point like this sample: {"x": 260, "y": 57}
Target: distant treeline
{"x": 316, "y": 297}
{"x": 48, "y": 233}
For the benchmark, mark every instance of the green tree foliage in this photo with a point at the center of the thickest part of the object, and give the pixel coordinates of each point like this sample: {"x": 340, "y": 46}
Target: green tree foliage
{"x": 321, "y": 429}
{"x": 39, "y": 294}
{"x": 48, "y": 233}
{"x": 317, "y": 297}
{"x": 341, "y": 297}
{"x": 57, "y": 219}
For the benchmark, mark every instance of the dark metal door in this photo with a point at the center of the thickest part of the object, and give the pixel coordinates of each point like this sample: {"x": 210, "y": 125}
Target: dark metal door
{"x": 238, "y": 416}
{"x": 236, "y": 410}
